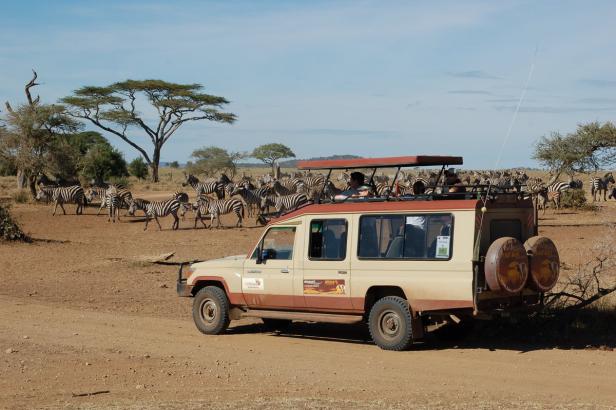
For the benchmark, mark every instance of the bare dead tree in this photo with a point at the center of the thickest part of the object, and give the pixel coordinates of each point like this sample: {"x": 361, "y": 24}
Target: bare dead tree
{"x": 590, "y": 280}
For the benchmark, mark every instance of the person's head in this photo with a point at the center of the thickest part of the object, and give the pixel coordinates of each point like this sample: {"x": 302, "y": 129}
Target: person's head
{"x": 357, "y": 180}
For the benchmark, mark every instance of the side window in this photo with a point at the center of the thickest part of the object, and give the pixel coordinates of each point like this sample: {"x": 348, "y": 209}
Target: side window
{"x": 278, "y": 243}
{"x": 420, "y": 236}
{"x": 505, "y": 227}
{"x": 328, "y": 238}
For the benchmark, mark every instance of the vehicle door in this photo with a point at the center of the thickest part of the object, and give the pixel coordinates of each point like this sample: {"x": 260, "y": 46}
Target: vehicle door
{"x": 326, "y": 264}
{"x": 267, "y": 280}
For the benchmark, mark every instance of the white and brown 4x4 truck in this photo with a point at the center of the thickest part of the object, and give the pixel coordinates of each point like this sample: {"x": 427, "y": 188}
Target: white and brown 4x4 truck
{"x": 398, "y": 263}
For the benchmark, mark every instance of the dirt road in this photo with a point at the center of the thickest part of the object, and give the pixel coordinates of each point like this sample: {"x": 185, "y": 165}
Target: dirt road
{"x": 79, "y": 315}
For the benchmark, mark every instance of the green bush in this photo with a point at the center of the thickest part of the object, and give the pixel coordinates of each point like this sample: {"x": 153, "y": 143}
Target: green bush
{"x": 9, "y": 230}
{"x": 174, "y": 164}
{"x": 21, "y": 196}
{"x": 573, "y": 198}
{"x": 138, "y": 168}
{"x": 103, "y": 162}
{"x": 119, "y": 181}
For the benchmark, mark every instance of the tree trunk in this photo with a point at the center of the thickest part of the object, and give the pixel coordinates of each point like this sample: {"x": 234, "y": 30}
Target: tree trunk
{"x": 32, "y": 185}
{"x": 21, "y": 179}
{"x": 155, "y": 164}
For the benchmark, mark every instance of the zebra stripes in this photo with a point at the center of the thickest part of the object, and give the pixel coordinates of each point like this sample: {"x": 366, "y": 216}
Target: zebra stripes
{"x": 113, "y": 201}
{"x": 217, "y": 207}
{"x": 65, "y": 195}
{"x": 203, "y": 188}
{"x": 554, "y": 192}
{"x": 251, "y": 198}
{"x": 598, "y": 185}
{"x": 160, "y": 209}
{"x": 285, "y": 203}
{"x": 138, "y": 204}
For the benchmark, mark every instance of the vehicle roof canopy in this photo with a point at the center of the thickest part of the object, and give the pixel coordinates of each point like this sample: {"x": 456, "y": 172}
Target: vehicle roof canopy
{"x": 385, "y": 162}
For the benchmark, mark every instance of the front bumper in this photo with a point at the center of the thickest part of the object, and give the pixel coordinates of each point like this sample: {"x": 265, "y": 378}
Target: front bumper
{"x": 183, "y": 289}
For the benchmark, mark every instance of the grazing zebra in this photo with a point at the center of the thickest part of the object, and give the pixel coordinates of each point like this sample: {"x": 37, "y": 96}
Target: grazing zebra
{"x": 113, "y": 201}
{"x": 251, "y": 198}
{"x": 161, "y": 209}
{"x": 217, "y": 207}
{"x": 138, "y": 204}
{"x": 597, "y": 185}
{"x": 203, "y": 188}
{"x": 284, "y": 203}
{"x": 65, "y": 195}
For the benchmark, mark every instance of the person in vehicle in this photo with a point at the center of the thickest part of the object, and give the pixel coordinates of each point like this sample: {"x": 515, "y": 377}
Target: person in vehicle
{"x": 357, "y": 187}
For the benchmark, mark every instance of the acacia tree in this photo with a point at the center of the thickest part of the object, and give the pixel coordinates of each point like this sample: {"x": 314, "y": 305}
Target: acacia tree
{"x": 271, "y": 153}
{"x": 31, "y": 136}
{"x": 211, "y": 160}
{"x": 592, "y": 146}
{"x": 114, "y": 109}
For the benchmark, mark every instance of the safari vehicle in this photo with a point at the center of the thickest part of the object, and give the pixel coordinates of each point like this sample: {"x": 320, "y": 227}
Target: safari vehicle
{"x": 399, "y": 263}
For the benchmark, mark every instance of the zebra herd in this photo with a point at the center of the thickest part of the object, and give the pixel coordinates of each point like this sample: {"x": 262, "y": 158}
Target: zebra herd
{"x": 261, "y": 195}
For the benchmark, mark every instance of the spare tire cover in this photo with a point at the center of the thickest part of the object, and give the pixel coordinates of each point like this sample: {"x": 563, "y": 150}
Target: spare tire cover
{"x": 544, "y": 263}
{"x": 506, "y": 265}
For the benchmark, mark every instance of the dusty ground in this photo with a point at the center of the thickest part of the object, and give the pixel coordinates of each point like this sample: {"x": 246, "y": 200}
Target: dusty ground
{"x": 78, "y": 314}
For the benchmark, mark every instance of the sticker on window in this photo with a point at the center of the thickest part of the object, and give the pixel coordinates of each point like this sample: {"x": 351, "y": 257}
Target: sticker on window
{"x": 442, "y": 247}
{"x": 252, "y": 283}
{"x": 419, "y": 221}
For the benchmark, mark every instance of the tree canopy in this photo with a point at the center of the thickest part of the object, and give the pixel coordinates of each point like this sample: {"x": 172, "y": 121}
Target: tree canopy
{"x": 592, "y": 146}
{"x": 271, "y": 153}
{"x": 212, "y": 160}
{"x": 113, "y": 108}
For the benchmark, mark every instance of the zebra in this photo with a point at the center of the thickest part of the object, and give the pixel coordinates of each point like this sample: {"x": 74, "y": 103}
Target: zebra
{"x": 113, "y": 201}
{"x": 251, "y": 198}
{"x": 123, "y": 193}
{"x": 202, "y": 188}
{"x": 598, "y": 184}
{"x": 330, "y": 190}
{"x": 64, "y": 195}
{"x": 95, "y": 191}
{"x": 284, "y": 203}
{"x": 217, "y": 207}
{"x": 282, "y": 188}
{"x": 554, "y": 192}
{"x": 161, "y": 209}
{"x": 138, "y": 204}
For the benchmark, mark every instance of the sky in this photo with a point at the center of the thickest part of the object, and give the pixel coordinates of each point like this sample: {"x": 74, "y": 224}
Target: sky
{"x": 370, "y": 78}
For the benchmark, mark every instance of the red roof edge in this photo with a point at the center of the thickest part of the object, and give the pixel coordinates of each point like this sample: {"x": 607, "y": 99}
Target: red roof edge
{"x": 385, "y": 162}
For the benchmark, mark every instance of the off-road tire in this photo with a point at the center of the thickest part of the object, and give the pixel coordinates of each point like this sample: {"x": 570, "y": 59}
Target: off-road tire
{"x": 276, "y": 324}
{"x": 390, "y": 323}
{"x": 211, "y": 310}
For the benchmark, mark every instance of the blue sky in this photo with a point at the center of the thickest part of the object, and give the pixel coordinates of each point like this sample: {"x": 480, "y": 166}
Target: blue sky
{"x": 355, "y": 77}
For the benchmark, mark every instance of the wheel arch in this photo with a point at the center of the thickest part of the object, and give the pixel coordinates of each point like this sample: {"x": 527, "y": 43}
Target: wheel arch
{"x": 375, "y": 293}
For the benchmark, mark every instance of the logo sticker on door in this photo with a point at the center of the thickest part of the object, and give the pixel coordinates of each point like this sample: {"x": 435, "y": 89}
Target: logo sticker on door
{"x": 252, "y": 284}
{"x": 324, "y": 286}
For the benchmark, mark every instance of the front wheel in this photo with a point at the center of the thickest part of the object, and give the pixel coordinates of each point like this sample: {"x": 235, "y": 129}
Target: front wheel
{"x": 390, "y": 323}
{"x": 211, "y": 310}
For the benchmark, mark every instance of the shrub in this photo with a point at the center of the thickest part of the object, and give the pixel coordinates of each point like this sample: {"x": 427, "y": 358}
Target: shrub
{"x": 574, "y": 198}
{"x": 9, "y": 230}
{"x": 174, "y": 164}
{"x": 119, "y": 180}
{"x": 102, "y": 162}
{"x": 21, "y": 196}
{"x": 138, "y": 168}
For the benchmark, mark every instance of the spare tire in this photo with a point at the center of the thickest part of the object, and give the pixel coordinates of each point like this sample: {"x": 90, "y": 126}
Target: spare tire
{"x": 544, "y": 263}
{"x": 506, "y": 266}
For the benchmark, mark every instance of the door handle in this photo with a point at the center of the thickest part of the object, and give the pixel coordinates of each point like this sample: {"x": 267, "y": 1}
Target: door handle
{"x": 284, "y": 270}
{"x": 342, "y": 272}
{"x": 254, "y": 271}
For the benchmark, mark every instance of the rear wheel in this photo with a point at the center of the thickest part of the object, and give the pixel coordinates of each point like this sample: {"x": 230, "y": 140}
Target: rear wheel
{"x": 211, "y": 310}
{"x": 390, "y": 323}
{"x": 276, "y": 324}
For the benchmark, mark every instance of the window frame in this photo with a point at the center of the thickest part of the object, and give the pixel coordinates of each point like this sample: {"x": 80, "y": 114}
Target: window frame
{"x": 404, "y": 215}
{"x": 507, "y": 220}
{"x": 259, "y": 247}
{"x": 346, "y": 227}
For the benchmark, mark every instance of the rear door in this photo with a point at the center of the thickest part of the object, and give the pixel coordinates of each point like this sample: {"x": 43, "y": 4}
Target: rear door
{"x": 326, "y": 264}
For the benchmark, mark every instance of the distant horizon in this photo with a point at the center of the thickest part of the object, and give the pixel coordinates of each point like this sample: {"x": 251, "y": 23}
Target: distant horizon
{"x": 335, "y": 76}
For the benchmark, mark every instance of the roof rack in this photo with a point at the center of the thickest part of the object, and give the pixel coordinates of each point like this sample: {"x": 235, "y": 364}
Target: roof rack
{"x": 385, "y": 162}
